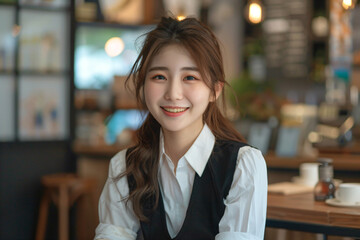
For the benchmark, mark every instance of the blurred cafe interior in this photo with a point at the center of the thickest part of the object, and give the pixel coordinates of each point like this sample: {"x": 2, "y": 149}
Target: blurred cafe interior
{"x": 294, "y": 71}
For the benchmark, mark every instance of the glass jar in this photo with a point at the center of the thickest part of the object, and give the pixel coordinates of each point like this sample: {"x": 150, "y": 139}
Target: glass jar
{"x": 325, "y": 187}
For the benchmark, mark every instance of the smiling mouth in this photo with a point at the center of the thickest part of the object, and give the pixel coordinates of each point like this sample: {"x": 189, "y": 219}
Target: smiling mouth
{"x": 175, "y": 109}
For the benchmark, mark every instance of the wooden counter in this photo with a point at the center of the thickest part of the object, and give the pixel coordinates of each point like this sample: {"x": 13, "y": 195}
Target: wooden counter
{"x": 346, "y": 162}
{"x": 351, "y": 148}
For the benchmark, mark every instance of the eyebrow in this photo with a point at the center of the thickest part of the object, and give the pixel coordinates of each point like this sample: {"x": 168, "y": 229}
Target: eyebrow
{"x": 167, "y": 69}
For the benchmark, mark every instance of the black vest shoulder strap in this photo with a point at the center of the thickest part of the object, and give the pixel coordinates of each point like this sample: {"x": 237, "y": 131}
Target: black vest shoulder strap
{"x": 222, "y": 164}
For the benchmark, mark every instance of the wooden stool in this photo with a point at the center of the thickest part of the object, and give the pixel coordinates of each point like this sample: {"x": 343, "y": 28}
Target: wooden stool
{"x": 63, "y": 190}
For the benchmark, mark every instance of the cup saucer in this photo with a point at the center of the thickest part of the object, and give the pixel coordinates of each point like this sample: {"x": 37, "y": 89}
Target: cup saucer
{"x": 337, "y": 203}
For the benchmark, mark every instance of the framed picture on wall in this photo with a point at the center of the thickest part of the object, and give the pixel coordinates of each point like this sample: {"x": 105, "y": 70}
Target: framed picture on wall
{"x": 43, "y": 108}
{"x": 7, "y": 39}
{"x": 7, "y": 108}
{"x": 42, "y": 45}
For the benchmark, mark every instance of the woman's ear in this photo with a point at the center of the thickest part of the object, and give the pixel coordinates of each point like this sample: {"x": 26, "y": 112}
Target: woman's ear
{"x": 218, "y": 89}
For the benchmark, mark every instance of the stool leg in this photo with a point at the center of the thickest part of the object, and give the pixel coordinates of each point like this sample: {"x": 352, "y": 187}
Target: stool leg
{"x": 43, "y": 213}
{"x": 63, "y": 213}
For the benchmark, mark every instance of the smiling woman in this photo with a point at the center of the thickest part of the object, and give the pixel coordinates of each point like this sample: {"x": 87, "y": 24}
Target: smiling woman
{"x": 189, "y": 175}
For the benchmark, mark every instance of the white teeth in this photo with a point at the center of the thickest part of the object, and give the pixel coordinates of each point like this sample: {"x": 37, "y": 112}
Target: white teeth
{"x": 175, "y": 110}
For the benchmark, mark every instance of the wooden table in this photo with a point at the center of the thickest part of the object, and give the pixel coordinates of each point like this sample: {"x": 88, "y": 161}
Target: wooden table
{"x": 301, "y": 212}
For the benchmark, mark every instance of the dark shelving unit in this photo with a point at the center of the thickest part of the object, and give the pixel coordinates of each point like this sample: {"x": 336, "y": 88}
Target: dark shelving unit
{"x": 23, "y": 161}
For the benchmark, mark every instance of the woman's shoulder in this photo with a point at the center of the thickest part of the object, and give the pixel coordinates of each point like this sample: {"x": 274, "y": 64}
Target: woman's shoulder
{"x": 249, "y": 150}
{"x": 117, "y": 164}
{"x": 250, "y": 157}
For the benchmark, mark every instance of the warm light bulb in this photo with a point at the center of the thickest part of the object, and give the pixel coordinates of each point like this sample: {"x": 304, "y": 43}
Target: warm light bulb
{"x": 348, "y": 4}
{"x": 114, "y": 46}
{"x": 180, "y": 17}
{"x": 255, "y": 13}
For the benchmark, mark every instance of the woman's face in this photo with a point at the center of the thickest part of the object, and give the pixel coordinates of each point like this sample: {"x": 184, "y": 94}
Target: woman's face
{"x": 175, "y": 92}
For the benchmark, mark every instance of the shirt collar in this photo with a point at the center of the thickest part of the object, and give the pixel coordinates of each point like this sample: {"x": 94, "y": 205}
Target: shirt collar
{"x": 198, "y": 154}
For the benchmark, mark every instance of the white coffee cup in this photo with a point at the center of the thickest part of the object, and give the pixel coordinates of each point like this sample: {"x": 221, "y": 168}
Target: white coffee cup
{"x": 309, "y": 173}
{"x": 348, "y": 193}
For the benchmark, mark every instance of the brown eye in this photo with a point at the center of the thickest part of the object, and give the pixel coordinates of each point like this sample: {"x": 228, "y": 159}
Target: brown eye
{"x": 190, "y": 78}
{"x": 159, "y": 77}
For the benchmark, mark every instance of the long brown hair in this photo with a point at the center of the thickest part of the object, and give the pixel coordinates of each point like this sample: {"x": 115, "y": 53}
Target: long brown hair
{"x": 142, "y": 160}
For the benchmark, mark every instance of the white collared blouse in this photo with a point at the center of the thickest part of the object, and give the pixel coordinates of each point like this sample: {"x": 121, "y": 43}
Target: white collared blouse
{"x": 245, "y": 212}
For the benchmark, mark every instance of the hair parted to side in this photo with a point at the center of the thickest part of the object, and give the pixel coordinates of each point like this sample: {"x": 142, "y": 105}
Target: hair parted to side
{"x": 142, "y": 160}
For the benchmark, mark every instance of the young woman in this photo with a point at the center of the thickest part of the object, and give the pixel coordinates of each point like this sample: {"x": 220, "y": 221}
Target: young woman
{"x": 190, "y": 175}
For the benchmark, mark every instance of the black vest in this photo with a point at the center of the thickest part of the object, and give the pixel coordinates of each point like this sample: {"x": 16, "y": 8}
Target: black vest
{"x": 206, "y": 206}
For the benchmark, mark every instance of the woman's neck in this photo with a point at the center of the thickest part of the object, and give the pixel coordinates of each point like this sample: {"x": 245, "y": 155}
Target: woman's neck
{"x": 176, "y": 144}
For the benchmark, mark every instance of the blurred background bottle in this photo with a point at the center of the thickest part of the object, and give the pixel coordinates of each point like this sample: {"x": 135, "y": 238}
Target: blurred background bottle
{"x": 325, "y": 188}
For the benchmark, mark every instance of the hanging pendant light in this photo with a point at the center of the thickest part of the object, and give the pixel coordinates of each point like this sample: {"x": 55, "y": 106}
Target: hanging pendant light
{"x": 181, "y": 15}
{"x": 254, "y": 11}
{"x": 348, "y": 4}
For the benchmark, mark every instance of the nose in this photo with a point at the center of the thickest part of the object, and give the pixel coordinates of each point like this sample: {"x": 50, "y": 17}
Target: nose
{"x": 174, "y": 90}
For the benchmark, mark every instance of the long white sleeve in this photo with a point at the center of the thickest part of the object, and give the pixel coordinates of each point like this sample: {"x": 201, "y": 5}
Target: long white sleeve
{"x": 245, "y": 212}
{"x": 117, "y": 219}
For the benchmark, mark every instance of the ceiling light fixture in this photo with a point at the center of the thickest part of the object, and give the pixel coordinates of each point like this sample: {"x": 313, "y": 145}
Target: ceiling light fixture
{"x": 254, "y": 12}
